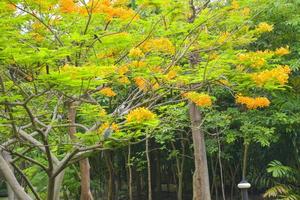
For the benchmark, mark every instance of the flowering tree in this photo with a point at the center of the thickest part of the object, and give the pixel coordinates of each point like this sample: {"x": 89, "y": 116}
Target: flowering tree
{"x": 78, "y": 76}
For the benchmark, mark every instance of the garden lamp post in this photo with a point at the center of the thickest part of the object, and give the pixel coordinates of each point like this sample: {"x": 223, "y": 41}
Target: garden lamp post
{"x": 244, "y": 186}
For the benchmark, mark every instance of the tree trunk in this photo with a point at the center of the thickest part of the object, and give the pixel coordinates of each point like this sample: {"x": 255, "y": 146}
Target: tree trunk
{"x": 11, "y": 180}
{"x": 58, "y": 184}
{"x": 10, "y": 192}
{"x": 221, "y": 169}
{"x": 111, "y": 176}
{"x": 200, "y": 178}
{"x": 129, "y": 174}
{"x": 84, "y": 163}
{"x": 148, "y": 169}
{"x": 158, "y": 172}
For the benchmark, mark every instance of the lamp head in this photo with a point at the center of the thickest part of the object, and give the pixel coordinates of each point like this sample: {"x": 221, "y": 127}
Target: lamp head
{"x": 244, "y": 185}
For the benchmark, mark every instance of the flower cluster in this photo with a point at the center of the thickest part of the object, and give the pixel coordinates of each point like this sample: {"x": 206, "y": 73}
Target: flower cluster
{"x": 141, "y": 83}
{"x": 264, "y": 27}
{"x": 107, "y": 91}
{"x": 140, "y": 115}
{"x": 235, "y": 4}
{"x": 171, "y": 75}
{"x": 136, "y": 53}
{"x": 252, "y": 103}
{"x": 97, "y": 6}
{"x": 106, "y": 126}
{"x": 279, "y": 74}
{"x": 122, "y": 70}
{"x": 200, "y": 99}
{"x": 255, "y": 59}
{"x": 138, "y": 64}
{"x": 159, "y": 44}
{"x": 282, "y": 51}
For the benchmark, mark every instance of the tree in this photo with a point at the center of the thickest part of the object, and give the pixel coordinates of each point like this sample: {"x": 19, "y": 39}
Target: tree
{"x": 80, "y": 77}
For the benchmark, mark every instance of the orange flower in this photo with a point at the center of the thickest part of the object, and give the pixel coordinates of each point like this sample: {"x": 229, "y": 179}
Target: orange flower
{"x": 107, "y": 91}
{"x": 68, "y": 6}
{"x": 140, "y": 115}
{"x": 199, "y": 99}
{"x": 141, "y": 83}
{"x": 252, "y": 103}
{"x": 279, "y": 74}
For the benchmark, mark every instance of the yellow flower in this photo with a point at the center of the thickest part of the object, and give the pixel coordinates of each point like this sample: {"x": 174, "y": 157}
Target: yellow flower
{"x": 223, "y": 37}
{"x": 171, "y": 74}
{"x": 264, "y": 27}
{"x": 122, "y": 70}
{"x": 246, "y": 11}
{"x": 107, "y": 91}
{"x": 124, "y": 80}
{"x": 140, "y": 115}
{"x": 200, "y": 99}
{"x": 106, "y": 125}
{"x": 279, "y": 74}
{"x": 136, "y": 52}
{"x": 156, "y": 69}
{"x": 259, "y": 62}
{"x": 102, "y": 113}
{"x": 224, "y": 82}
{"x": 235, "y": 5}
{"x": 156, "y": 86}
{"x": 252, "y": 103}
{"x": 282, "y": 51}
{"x": 138, "y": 64}
{"x": 159, "y": 44}
{"x": 141, "y": 83}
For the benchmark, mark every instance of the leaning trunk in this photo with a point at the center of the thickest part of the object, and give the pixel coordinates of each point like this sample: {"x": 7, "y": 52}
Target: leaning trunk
{"x": 11, "y": 180}
{"x": 200, "y": 178}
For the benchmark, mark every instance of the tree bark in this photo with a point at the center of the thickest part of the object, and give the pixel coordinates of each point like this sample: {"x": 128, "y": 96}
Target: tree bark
{"x": 11, "y": 180}
{"x": 201, "y": 189}
{"x": 84, "y": 163}
{"x": 10, "y": 192}
{"x": 58, "y": 184}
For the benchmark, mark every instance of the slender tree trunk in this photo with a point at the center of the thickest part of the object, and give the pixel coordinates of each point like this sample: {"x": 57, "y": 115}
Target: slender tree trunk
{"x": 84, "y": 163}
{"x": 111, "y": 176}
{"x": 221, "y": 169}
{"x": 148, "y": 169}
{"x": 179, "y": 168}
{"x": 200, "y": 178}
{"x": 157, "y": 174}
{"x": 138, "y": 185}
{"x": 245, "y": 156}
{"x": 129, "y": 174}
